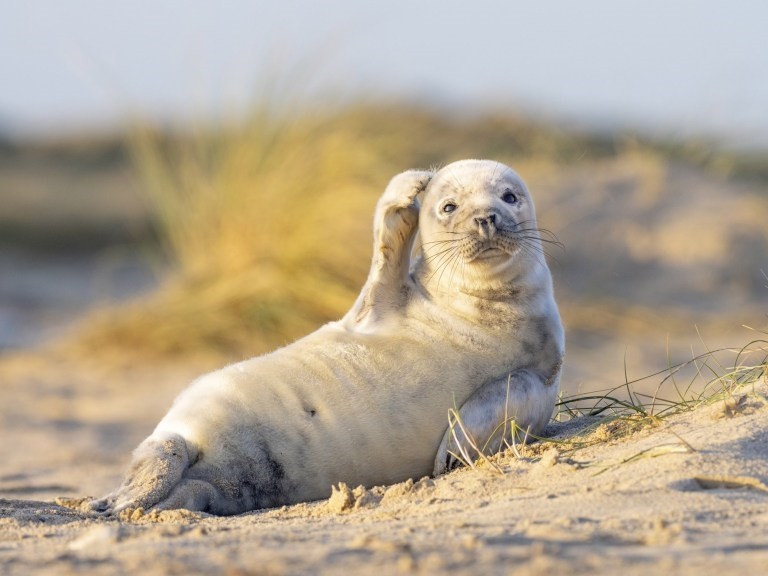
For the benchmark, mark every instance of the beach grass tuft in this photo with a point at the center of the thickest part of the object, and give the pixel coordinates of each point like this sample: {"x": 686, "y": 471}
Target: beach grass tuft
{"x": 601, "y": 416}
{"x": 267, "y": 223}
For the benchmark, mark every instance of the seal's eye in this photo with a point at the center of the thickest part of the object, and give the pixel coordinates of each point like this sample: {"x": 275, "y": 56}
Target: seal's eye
{"x": 509, "y": 197}
{"x": 449, "y": 207}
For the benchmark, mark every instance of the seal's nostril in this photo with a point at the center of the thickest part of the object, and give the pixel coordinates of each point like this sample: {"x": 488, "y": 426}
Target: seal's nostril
{"x": 483, "y": 222}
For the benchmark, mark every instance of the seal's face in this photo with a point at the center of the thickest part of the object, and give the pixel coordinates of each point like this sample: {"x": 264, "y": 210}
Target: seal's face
{"x": 477, "y": 215}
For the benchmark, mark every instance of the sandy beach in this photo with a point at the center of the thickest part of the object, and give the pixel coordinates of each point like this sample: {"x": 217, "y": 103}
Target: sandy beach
{"x": 687, "y": 496}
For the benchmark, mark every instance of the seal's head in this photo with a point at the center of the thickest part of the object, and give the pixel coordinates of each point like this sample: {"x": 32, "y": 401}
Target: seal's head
{"x": 477, "y": 224}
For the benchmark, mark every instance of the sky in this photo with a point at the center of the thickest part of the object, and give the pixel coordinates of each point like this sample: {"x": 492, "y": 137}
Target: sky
{"x": 667, "y": 67}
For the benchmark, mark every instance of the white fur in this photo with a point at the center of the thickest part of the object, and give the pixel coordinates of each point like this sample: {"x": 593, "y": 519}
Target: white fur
{"x": 365, "y": 400}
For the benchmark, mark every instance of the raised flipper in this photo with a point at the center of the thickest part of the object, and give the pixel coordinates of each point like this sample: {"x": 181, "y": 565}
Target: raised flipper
{"x": 517, "y": 405}
{"x": 394, "y": 228}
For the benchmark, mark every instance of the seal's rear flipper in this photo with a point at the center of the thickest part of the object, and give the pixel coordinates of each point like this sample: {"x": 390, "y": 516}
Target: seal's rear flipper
{"x": 156, "y": 468}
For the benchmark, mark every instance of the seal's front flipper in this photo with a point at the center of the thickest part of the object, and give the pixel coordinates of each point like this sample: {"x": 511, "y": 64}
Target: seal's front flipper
{"x": 156, "y": 468}
{"x": 394, "y": 228}
{"x": 495, "y": 414}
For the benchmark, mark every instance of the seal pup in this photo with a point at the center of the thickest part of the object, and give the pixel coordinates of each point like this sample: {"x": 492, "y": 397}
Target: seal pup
{"x": 464, "y": 319}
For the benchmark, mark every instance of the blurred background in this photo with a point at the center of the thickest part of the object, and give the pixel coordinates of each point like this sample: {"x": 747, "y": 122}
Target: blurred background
{"x": 197, "y": 180}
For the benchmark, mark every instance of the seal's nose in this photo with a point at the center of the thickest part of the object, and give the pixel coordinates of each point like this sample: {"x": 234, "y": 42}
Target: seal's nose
{"x": 486, "y": 225}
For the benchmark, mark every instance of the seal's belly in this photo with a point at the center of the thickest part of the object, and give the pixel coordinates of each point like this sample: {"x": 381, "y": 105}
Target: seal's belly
{"x": 334, "y": 406}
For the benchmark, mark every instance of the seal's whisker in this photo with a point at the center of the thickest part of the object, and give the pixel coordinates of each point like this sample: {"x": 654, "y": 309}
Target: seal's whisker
{"x": 444, "y": 267}
{"x": 537, "y": 239}
{"x": 444, "y": 263}
{"x": 443, "y": 260}
{"x": 532, "y": 241}
{"x": 446, "y": 241}
{"x": 523, "y": 222}
{"x": 457, "y": 262}
{"x": 427, "y": 247}
{"x": 542, "y": 231}
{"x": 547, "y": 232}
{"x": 535, "y": 248}
{"x": 439, "y": 242}
{"x": 432, "y": 251}
{"x": 528, "y": 249}
{"x": 546, "y": 235}
{"x": 440, "y": 255}
{"x": 553, "y": 243}
{"x": 532, "y": 234}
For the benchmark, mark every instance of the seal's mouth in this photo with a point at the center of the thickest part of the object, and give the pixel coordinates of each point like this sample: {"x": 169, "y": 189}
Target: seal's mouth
{"x": 491, "y": 252}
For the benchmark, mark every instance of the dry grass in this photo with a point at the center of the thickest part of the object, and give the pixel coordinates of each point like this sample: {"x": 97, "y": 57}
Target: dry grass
{"x": 268, "y": 223}
{"x": 610, "y": 415}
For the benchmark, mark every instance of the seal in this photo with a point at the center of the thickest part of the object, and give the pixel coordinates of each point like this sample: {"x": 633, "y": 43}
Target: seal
{"x": 457, "y": 316}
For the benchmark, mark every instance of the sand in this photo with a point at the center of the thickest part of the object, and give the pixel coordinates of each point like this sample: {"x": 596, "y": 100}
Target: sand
{"x": 688, "y": 496}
